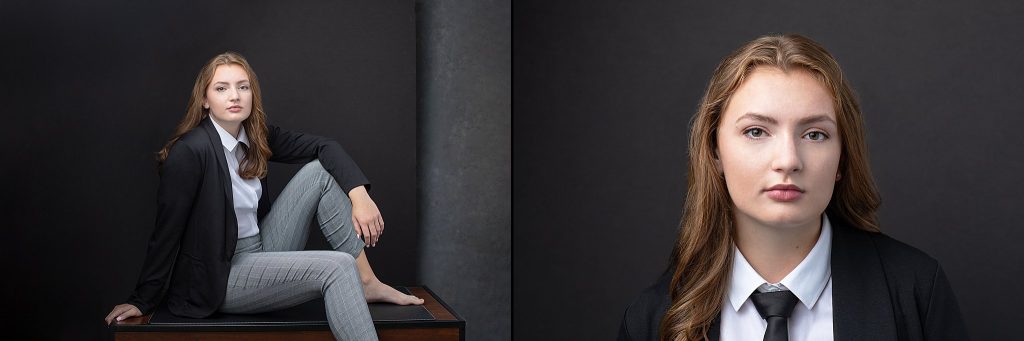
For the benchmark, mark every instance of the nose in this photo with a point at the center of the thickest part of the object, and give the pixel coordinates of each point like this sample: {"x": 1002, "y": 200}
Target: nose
{"x": 233, "y": 95}
{"x": 787, "y": 157}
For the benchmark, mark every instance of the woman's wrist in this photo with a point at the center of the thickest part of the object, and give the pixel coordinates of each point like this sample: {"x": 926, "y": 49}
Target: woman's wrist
{"x": 358, "y": 195}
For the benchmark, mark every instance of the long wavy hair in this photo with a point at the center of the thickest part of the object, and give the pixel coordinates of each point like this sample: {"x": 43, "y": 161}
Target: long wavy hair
{"x": 701, "y": 260}
{"x": 254, "y": 165}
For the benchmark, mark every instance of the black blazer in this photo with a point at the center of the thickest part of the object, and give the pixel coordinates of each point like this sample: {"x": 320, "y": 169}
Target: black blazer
{"x": 882, "y": 289}
{"x": 196, "y": 228}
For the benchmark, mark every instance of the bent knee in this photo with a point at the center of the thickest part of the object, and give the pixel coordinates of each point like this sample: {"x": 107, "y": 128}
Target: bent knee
{"x": 342, "y": 260}
{"x": 345, "y": 258}
{"x": 342, "y": 267}
{"x": 313, "y": 166}
{"x": 330, "y": 260}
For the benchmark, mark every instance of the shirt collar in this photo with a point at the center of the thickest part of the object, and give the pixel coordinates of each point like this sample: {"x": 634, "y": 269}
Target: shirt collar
{"x": 806, "y": 281}
{"x": 227, "y": 140}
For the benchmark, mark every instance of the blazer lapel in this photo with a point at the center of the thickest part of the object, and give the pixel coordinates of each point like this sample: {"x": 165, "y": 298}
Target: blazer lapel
{"x": 230, "y": 221}
{"x": 861, "y": 306}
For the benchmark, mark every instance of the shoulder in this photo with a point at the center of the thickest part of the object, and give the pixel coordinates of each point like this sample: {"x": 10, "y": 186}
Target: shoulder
{"x": 643, "y": 316}
{"x": 195, "y": 139}
{"x": 918, "y": 287}
{"x": 899, "y": 257}
{"x": 194, "y": 146}
{"x": 897, "y": 253}
{"x": 908, "y": 271}
{"x": 275, "y": 131}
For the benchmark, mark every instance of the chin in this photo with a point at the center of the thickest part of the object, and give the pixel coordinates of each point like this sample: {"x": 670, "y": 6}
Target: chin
{"x": 233, "y": 118}
{"x": 787, "y": 216}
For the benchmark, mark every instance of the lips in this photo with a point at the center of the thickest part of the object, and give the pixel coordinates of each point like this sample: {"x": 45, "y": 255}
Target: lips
{"x": 784, "y": 192}
{"x": 235, "y": 108}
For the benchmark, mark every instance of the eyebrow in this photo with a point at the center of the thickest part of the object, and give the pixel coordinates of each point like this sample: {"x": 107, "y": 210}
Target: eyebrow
{"x": 772, "y": 120}
{"x": 239, "y": 82}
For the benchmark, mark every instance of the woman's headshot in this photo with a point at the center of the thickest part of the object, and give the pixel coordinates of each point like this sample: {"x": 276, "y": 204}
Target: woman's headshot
{"x": 755, "y": 171}
{"x": 779, "y": 238}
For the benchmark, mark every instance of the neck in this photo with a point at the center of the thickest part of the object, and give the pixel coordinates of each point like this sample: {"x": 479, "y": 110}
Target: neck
{"x": 230, "y": 127}
{"x": 774, "y": 251}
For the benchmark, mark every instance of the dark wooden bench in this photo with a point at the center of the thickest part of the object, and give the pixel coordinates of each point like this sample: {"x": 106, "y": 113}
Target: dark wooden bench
{"x": 304, "y": 322}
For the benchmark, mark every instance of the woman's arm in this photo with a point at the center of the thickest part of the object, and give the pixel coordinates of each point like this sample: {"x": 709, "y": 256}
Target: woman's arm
{"x": 180, "y": 176}
{"x": 294, "y": 147}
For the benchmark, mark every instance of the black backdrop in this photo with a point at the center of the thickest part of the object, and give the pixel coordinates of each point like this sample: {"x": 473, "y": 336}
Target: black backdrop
{"x": 603, "y": 91}
{"x": 90, "y": 90}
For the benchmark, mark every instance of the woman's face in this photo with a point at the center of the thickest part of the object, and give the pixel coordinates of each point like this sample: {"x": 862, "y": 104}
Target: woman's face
{"x": 229, "y": 96}
{"x": 779, "y": 148}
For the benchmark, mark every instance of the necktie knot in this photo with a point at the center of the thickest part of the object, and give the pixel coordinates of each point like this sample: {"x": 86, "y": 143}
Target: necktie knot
{"x": 775, "y": 307}
{"x": 775, "y": 303}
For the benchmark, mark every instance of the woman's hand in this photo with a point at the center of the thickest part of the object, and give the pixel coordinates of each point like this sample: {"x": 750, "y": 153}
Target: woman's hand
{"x": 366, "y": 217}
{"x": 121, "y": 312}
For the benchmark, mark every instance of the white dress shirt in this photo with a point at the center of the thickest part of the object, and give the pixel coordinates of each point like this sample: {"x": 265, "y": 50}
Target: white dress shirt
{"x": 245, "y": 192}
{"x": 810, "y": 281}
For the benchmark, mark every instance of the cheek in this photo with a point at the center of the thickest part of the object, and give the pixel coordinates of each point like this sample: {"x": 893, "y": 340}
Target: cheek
{"x": 827, "y": 163}
{"x": 823, "y": 173}
{"x": 742, "y": 168}
{"x": 740, "y": 176}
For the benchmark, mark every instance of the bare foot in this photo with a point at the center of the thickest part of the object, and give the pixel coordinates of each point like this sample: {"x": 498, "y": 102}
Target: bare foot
{"x": 376, "y": 291}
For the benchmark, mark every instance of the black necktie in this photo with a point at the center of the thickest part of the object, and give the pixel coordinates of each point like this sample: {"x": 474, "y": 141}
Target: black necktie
{"x": 775, "y": 307}
{"x": 245, "y": 153}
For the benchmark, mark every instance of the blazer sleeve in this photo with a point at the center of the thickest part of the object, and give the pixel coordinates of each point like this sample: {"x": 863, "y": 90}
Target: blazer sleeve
{"x": 180, "y": 176}
{"x": 294, "y": 147}
{"x": 943, "y": 320}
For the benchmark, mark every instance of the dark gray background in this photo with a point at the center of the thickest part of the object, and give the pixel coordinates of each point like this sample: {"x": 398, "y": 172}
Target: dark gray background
{"x": 417, "y": 91}
{"x": 465, "y": 133}
{"x": 604, "y": 91}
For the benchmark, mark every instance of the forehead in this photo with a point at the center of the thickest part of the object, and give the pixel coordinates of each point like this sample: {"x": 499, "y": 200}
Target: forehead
{"x": 230, "y": 73}
{"x": 782, "y": 95}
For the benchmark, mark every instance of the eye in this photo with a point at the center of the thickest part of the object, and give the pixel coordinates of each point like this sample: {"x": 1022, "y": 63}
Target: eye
{"x": 755, "y": 133}
{"x": 220, "y": 88}
{"x": 816, "y": 136}
{"x": 244, "y": 87}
